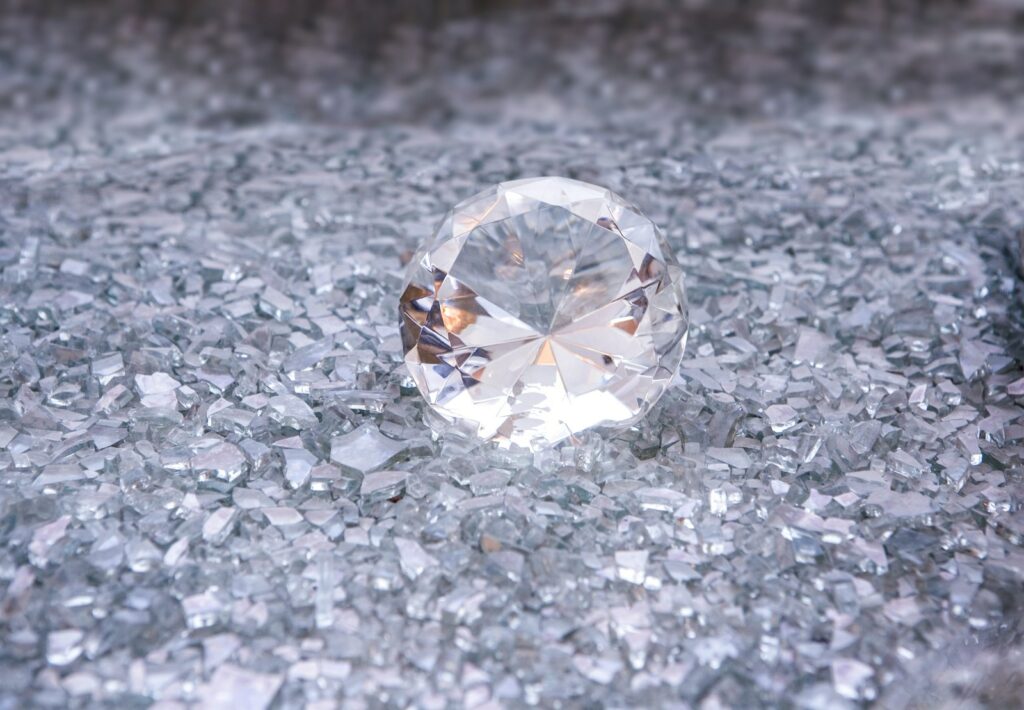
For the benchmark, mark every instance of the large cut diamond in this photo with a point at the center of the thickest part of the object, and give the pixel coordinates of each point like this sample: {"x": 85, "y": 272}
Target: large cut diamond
{"x": 541, "y": 308}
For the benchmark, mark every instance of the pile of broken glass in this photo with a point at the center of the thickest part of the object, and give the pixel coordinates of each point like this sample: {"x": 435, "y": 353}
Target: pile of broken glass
{"x": 219, "y": 484}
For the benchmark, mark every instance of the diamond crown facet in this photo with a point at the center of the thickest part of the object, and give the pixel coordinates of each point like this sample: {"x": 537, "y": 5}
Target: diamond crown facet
{"x": 541, "y": 308}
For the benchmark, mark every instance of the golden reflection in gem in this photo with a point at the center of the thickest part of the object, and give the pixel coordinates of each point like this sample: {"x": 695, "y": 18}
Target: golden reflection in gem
{"x": 514, "y": 249}
{"x": 457, "y": 319}
{"x": 627, "y": 324}
{"x": 545, "y": 356}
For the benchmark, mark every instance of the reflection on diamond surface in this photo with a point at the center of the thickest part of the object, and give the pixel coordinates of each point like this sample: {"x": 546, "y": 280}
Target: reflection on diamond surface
{"x": 541, "y": 308}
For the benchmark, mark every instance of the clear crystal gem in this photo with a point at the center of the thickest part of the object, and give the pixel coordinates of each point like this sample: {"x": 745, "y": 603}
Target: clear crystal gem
{"x": 541, "y": 308}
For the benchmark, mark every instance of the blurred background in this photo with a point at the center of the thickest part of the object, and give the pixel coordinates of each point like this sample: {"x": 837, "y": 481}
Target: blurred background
{"x": 250, "y": 60}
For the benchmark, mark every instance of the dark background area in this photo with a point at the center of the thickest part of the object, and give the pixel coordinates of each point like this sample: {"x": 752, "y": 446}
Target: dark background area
{"x": 724, "y": 57}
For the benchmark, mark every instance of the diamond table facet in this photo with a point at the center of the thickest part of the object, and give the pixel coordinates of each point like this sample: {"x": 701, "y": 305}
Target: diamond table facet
{"x": 541, "y": 308}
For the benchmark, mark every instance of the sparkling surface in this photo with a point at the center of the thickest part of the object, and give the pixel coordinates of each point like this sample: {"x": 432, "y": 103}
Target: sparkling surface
{"x": 202, "y": 240}
{"x": 541, "y": 308}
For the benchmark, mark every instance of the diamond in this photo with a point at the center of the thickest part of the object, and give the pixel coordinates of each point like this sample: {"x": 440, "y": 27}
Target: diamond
{"x": 541, "y": 308}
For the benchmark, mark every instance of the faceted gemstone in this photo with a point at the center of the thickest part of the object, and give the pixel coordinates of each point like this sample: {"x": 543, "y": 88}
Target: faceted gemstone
{"x": 541, "y": 308}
